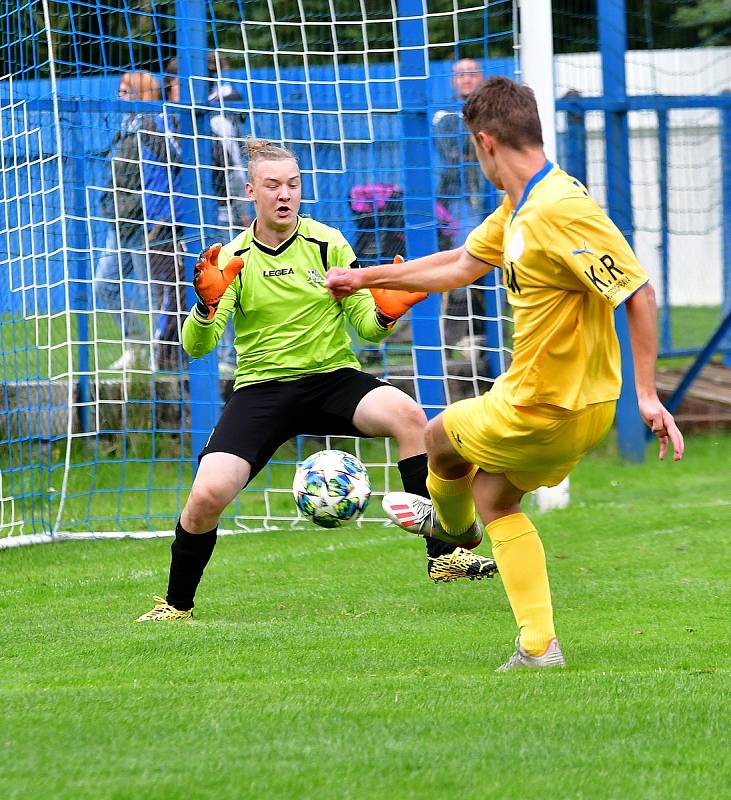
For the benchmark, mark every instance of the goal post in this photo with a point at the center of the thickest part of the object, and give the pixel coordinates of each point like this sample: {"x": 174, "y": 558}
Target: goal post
{"x": 192, "y": 38}
{"x": 101, "y": 418}
{"x": 536, "y": 65}
{"x": 536, "y": 70}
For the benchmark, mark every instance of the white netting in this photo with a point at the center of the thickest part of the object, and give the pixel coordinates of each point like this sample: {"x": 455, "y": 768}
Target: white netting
{"x": 108, "y": 184}
{"x": 693, "y": 217}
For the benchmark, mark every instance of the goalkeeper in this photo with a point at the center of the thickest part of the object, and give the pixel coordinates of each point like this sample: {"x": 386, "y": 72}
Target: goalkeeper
{"x": 296, "y": 372}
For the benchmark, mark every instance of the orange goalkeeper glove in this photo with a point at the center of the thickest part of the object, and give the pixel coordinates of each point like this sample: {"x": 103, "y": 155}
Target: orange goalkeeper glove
{"x": 394, "y": 303}
{"x": 210, "y": 281}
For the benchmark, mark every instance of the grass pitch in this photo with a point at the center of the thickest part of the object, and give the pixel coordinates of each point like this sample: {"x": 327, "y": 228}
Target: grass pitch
{"x": 323, "y": 664}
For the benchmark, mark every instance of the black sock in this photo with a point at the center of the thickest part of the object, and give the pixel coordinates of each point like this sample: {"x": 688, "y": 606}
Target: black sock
{"x": 191, "y": 552}
{"x": 413, "y": 471}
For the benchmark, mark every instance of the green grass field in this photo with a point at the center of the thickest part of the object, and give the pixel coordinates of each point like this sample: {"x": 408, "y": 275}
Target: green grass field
{"x": 324, "y": 665}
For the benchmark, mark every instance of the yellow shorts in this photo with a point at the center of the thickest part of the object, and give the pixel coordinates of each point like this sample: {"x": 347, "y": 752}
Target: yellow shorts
{"x": 531, "y": 445}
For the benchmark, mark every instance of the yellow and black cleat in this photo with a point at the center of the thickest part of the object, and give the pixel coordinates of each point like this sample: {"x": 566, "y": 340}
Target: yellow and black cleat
{"x": 164, "y": 612}
{"x": 460, "y": 563}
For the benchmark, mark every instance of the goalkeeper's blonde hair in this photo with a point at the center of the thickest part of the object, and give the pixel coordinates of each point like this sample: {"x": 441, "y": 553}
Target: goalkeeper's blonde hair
{"x": 263, "y": 150}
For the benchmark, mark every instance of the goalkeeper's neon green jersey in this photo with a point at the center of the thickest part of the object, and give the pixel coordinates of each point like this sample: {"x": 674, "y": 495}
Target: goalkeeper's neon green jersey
{"x": 286, "y": 323}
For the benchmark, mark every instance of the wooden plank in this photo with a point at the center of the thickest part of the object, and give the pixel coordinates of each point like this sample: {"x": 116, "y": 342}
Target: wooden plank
{"x": 713, "y": 385}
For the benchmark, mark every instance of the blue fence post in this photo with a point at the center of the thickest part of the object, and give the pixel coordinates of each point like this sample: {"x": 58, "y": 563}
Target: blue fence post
{"x": 192, "y": 53}
{"x": 575, "y": 141}
{"x": 80, "y": 300}
{"x": 726, "y": 222}
{"x": 419, "y": 216}
{"x": 495, "y": 301}
{"x": 613, "y": 44}
{"x": 662, "y": 146}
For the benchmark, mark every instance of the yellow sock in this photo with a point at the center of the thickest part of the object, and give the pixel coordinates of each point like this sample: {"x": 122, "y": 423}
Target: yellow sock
{"x": 521, "y": 561}
{"x": 453, "y": 501}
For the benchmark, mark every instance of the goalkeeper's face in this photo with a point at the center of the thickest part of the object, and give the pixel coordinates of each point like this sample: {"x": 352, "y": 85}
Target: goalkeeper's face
{"x": 276, "y": 189}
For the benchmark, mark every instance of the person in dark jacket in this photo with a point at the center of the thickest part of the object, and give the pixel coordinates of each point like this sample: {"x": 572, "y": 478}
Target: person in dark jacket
{"x": 228, "y": 159}
{"x": 138, "y": 274}
{"x": 460, "y": 193}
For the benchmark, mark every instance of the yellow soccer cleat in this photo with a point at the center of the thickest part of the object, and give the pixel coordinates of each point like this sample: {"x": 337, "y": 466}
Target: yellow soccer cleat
{"x": 458, "y": 564}
{"x": 164, "y": 612}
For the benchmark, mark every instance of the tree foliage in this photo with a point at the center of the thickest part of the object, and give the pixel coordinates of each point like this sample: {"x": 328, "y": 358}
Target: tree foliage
{"x": 651, "y": 24}
{"x": 711, "y": 18}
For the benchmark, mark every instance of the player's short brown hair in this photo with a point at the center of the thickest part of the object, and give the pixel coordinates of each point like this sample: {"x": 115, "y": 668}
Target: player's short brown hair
{"x": 263, "y": 150}
{"x": 506, "y": 110}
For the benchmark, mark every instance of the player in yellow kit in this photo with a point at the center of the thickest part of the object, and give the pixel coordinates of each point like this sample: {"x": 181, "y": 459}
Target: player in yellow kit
{"x": 566, "y": 268}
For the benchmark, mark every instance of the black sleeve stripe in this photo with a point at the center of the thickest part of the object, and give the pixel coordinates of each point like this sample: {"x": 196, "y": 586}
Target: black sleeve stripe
{"x": 355, "y": 264}
{"x": 240, "y": 279}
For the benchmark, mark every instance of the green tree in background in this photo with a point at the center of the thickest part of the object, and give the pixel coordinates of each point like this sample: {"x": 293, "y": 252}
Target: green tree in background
{"x": 651, "y": 24}
{"x": 711, "y": 18}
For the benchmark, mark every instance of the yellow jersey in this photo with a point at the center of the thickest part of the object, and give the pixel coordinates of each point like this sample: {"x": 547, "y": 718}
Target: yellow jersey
{"x": 565, "y": 268}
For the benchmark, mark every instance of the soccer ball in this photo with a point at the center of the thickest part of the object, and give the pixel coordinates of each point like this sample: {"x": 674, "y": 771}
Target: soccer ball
{"x": 331, "y": 488}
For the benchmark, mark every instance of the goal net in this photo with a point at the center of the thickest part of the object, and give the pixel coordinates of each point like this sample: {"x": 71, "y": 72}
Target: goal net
{"x": 676, "y": 73}
{"x": 121, "y": 154}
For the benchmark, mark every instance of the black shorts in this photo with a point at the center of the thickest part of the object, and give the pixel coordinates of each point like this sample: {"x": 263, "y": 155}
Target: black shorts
{"x": 259, "y": 418}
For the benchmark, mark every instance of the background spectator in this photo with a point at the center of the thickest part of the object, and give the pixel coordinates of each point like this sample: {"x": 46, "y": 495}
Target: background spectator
{"x": 461, "y": 184}
{"x": 460, "y": 198}
{"x": 143, "y": 204}
{"x": 228, "y": 162}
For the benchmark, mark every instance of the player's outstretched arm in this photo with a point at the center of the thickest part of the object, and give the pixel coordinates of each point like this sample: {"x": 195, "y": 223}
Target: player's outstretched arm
{"x": 642, "y": 319}
{"x": 438, "y": 272}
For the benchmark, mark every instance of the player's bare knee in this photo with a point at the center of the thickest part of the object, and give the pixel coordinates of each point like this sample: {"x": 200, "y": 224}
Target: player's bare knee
{"x": 495, "y": 496}
{"x": 493, "y": 513}
{"x": 405, "y": 421}
{"x": 443, "y": 458}
{"x": 205, "y": 501}
{"x": 412, "y": 419}
{"x": 433, "y": 435}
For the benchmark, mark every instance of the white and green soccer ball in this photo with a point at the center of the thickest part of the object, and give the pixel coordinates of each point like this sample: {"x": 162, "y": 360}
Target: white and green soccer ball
{"x": 331, "y": 488}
